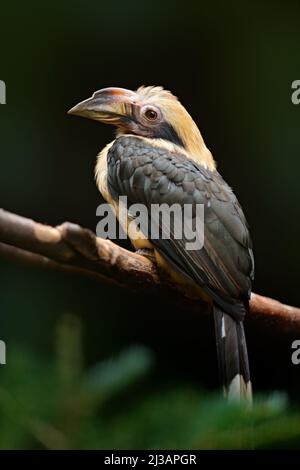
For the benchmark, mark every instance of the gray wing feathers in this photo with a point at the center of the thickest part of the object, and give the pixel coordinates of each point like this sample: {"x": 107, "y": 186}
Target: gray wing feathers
{"x": 151, "y": 175}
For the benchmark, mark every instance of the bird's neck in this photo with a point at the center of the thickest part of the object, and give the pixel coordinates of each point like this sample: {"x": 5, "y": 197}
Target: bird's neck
{"x": 197, "y": 151}
{"x": 194, "y": 144}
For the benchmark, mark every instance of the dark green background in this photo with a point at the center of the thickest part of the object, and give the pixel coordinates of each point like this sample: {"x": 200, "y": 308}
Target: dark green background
{"x": 232, "y": 65}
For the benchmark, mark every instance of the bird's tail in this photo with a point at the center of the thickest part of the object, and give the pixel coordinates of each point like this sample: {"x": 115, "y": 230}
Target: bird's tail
{"x": 232, "y": 356}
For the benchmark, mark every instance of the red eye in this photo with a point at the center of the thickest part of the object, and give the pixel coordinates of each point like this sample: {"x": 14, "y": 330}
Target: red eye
{"x": 151, "y": 114}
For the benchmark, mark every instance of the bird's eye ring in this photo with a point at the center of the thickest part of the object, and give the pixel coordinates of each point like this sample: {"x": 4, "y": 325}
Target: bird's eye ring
{"x": 150, "y": 114}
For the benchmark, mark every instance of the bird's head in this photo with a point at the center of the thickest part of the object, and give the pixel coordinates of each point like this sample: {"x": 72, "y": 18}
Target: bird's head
{"x": 150, "y": 112}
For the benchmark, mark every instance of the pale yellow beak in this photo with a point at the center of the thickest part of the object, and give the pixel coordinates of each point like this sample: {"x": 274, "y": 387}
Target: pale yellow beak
{"x": 109, "y": 105}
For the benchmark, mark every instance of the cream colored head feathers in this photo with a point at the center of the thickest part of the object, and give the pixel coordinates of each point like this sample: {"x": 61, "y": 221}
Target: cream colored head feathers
{"x": 181, "y": 120}
{"x": 149, "y": 113}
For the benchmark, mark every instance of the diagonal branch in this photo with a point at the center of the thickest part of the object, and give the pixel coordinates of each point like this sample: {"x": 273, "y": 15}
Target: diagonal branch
{"x": 71, "y": 248}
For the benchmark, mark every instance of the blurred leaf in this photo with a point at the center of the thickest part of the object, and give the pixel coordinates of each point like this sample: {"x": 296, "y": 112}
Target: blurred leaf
{"x": 69, "y": 348}
{"x": 55, "y": 404}
{"x": 117, "y": 373}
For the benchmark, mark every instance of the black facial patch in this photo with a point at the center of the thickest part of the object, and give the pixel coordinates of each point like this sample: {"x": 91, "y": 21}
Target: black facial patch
{"x": 166, "y": 131}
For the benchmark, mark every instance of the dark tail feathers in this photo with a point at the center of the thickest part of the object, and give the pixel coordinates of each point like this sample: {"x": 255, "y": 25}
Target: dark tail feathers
{"x": 232, "y": 356}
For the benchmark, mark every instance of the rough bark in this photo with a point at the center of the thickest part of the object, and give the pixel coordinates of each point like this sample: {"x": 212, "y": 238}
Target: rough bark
{"x": 71, "y": 248}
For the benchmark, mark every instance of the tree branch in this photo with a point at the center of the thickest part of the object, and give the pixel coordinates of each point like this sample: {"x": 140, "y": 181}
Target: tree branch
{"x": 71, "y": 248}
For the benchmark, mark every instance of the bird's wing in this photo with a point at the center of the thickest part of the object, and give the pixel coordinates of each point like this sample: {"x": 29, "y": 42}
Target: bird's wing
{"x": 151, "y": 175}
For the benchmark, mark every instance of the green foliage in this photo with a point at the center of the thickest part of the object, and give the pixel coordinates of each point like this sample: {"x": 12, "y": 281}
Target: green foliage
{"x": 59, "y": 404}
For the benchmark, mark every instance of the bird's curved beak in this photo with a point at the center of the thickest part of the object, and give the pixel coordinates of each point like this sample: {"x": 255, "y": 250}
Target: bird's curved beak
{"x": 109, "y": 105}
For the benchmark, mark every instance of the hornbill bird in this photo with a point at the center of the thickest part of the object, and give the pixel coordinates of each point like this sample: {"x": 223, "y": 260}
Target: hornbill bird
{"x": 159, "y": 157}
